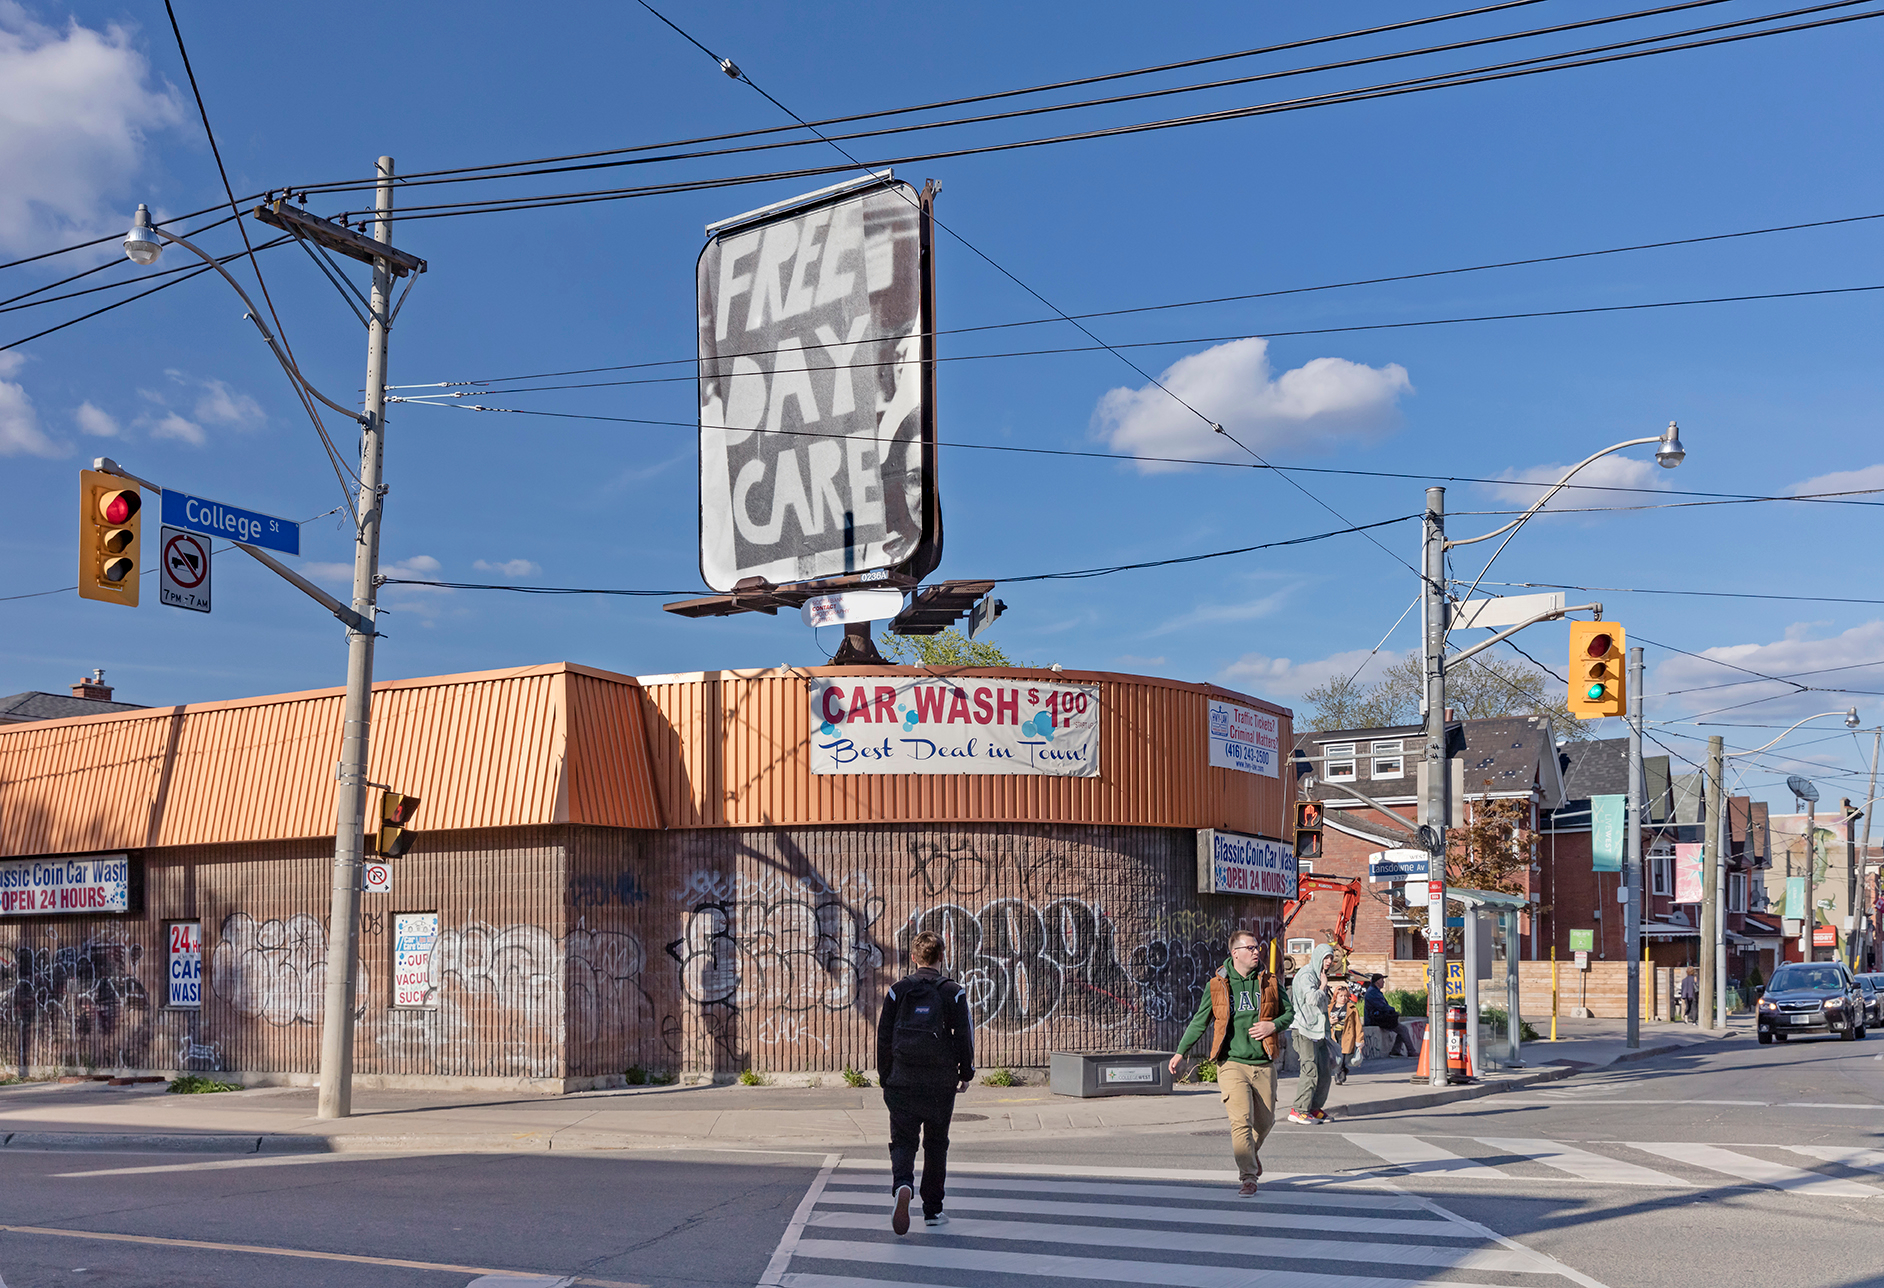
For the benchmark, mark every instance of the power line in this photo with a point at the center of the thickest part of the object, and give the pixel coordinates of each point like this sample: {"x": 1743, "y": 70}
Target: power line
{"x": 1703, "y": 594}
{"x": 112, "y": 237}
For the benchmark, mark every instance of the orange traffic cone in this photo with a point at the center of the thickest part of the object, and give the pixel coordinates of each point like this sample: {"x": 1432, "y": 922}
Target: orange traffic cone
{"x": 1421, "y": 1073}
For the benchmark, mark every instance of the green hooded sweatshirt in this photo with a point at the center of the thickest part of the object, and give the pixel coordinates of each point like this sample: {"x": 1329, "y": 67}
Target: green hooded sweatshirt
{"x": 1246, "y": 999}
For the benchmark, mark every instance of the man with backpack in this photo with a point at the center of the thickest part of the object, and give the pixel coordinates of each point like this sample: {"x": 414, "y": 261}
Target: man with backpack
{"x": 925, "y": 1057}
{"x": 1250, "y": 1011}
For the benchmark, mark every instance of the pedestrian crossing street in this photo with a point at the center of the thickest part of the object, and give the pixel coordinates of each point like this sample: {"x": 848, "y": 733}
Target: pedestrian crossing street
{"x": 1796, "y": 1169}
{"x": 1014, "y": 1226}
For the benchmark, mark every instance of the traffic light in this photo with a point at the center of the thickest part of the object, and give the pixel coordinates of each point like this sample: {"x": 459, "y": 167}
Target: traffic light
{"x": 1598, "y": 681}
{"x": 1307, "y": 830}
{"x": 108, "y": 534}
{"x": 395, "y": 813}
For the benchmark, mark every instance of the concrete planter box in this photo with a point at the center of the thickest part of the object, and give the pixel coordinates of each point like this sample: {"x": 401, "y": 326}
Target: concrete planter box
{"x": 1110, "y": 1073}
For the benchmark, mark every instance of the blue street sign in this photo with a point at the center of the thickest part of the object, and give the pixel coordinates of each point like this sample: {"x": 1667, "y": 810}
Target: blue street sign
{"x": 181, "y": 510}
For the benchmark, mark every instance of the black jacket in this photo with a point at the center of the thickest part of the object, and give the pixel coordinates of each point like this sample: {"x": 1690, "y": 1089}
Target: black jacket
{"x": 961, "y": 1030}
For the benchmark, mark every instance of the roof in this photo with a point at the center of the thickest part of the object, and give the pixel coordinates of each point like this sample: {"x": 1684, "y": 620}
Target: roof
{"x": 56, "y": 706}
{"x": 1600, "y": 767}
{"x": 1510, "y": 754}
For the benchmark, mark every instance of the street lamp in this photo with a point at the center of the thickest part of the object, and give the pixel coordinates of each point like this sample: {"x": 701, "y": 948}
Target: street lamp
{"x": 1436, "y": 603}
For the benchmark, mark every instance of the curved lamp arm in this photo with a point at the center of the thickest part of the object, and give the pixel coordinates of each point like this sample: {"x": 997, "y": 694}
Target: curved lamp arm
{"x": 254, "y": 315}
{"x": 1554, "y": 489}
{"x": 1851, "y": 719}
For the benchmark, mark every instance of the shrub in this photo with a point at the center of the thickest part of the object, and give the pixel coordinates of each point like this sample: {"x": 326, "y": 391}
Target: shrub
{"x": 1205, "y": 1071}
{"x": 752, "y": 1078}
{"x": 191, "y": 1084}
{"x": 1407, "y": 1001}
{"x": 1003, "y": 1077}
{"x": 636, "y": 1076}
{"x": 854, "y": 1078}
{"x": 1495, "y": 1017}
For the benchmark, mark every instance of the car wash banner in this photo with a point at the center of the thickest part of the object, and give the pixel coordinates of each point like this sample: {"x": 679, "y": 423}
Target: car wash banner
{"x": 863, "y": 725}
{"x": 815, "y": 373}
{"x": 87, "y": 883}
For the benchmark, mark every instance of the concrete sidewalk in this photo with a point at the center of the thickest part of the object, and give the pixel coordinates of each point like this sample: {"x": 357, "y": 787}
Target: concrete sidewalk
{"x": 92, "y": 1115}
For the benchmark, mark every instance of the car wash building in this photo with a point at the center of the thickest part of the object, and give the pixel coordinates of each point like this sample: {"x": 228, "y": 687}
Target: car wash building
{"x": 692, "y": 874}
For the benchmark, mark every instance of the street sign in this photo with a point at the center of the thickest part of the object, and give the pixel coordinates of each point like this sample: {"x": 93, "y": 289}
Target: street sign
{"x": 377, "y": 877}
{"x": 1508, "y": 610}
{"x": 183, "y": 570}
{"x": 1583, "y": 961}
{"x": 1419, "y": 894}
{"x": 1397, "y": 865}
{"x": 1583, "y": 941}
{"x": 214, "y": 519}
{"x": 983, "y": 615}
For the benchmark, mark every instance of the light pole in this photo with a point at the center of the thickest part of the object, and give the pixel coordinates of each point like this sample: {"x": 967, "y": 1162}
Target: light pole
{"x": 143, "y": 246}
{"x": 1435, "y": 601}
{"x": 1713, "y": 915}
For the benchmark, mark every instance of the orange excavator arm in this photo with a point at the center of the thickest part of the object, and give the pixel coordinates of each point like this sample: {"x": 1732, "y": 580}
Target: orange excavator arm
{"x": 1350, "y": 892}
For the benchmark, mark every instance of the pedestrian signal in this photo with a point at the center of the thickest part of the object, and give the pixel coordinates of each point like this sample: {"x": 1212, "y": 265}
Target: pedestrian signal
{"x": 1598, "y": 682}
{"x": 1308, "y": 830}
{"x": 395, "y": 814}
{"x": 108, "y": 538}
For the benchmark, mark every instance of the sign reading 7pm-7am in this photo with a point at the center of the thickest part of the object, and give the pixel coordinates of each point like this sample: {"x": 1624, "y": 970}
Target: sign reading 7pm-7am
{"x": 181, "y": 510}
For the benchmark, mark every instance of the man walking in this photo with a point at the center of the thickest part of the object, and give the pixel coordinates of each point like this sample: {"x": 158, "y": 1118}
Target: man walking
{"x": 925, "y": 1057}
{"x": 1690, "y": 993}
{"x": 1308, "y": 999}
{"x": 1249, "y": 1010}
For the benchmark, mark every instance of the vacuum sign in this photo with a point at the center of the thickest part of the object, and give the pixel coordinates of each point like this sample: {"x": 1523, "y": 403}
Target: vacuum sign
{"x": 1231, "y": 863}
{"x": 910, "y": 726}
{"x": 95, "y": 883}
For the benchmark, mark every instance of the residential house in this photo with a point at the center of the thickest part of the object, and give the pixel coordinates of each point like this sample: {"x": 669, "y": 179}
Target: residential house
{"x": 91, "y": 696}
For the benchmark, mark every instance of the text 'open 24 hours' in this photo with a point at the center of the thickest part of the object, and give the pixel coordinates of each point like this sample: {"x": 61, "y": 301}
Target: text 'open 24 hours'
{"x": 866, "y": 725}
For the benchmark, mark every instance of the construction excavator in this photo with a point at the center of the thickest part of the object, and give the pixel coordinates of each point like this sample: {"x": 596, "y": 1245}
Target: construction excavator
{"x": 1307, "y": 888}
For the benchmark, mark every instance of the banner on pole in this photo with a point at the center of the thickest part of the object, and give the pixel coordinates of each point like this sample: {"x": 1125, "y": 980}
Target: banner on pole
{"x": 1608, "y": 815}
{"x": 1795, "y": 898}
{"x": 1688, "y": 873}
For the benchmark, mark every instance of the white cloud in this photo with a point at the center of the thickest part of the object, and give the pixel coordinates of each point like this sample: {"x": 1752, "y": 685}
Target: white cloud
{"x": 1871, "y": 476}
{"x": 20, "y": 433}
{"x": 174, "y": 426}
{"x": 92, "y": 420}
{"x": 1218, "y": 613}
{"x": 1317, "y": 404}
{"x": 221, "y": 405}
{"x": 76, "y": 106}
{"x": 1702, "y": 686}
{"x": 11, "y": 360}
{"x": 1286, "y": 680}
{"x": 1591, "y": 486}
{"x": 509, "y": 568}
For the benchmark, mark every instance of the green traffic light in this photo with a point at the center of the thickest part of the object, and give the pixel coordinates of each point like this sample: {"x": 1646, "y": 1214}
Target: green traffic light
{"x": 1596, "y": 691}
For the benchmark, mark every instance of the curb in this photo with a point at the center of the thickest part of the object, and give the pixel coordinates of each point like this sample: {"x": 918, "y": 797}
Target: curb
{"x": 138, "y": 1143}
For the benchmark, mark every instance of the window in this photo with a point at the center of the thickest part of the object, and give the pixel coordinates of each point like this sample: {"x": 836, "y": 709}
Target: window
{"x": 1661, "y": 873}
{"x": 1389, "y": 759}
{"x": 1736, "y": 892}
{"x": 1338, "y": 762}
{"x": 1305, "y": 866}
{"x": 1409, "y": 945}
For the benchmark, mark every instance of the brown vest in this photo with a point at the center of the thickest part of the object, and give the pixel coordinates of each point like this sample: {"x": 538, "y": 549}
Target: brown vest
{"x": 1269, "y": 1008}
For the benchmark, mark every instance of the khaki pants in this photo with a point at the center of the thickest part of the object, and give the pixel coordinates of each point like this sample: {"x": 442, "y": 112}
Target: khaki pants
{"x": 1311, "y": 1088}
{"x": 1249, "y": 1097}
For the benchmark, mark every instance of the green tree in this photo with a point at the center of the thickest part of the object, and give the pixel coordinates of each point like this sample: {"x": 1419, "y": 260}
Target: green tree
{"x": 949, "y": 648}
{"x": 1479, "y": 688}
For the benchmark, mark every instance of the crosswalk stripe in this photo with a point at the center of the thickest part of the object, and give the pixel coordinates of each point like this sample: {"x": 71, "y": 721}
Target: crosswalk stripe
{"x": 1748, "y": 1167}
{"x": 1495, "y": 1260}
{"x": 1582, "y": 1163}
{"x": 1277, "y": 1189}
{"x": 1872, "y": 1160}
{"x": 1245, "y": 1214}
{"x": 1422, "y": 1156}
{"x": 796, "y": 1280}
{"x": 1165, "y": 1273}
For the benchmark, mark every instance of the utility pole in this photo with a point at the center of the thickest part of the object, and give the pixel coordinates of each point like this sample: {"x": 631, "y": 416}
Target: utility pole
{"x": 343, "y": 929}
{"x": 1811, "y": 865}
{"x": 1710, "y": 875}
{"x": 1864, "y": 849}
{"x": 1851, "y": 885}
{"x": 1632, "y": 883}
{"x": 1433, "y": 807}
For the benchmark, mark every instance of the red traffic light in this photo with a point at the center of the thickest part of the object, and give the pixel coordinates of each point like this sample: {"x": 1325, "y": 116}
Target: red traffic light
{"x": 118, "y": 506}
{"x": 1599, "y": 645}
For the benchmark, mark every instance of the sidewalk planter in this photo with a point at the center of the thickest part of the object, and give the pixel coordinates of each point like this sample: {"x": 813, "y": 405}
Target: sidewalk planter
{"x": 1111, "y": 1073}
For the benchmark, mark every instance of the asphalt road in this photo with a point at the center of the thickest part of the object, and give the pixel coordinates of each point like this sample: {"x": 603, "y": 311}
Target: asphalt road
{"x": 1740, "y": 1165}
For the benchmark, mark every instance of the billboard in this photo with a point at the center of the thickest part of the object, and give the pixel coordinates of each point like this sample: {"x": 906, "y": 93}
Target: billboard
{"x": 1232, "y": 863}
{"x": 1244, "y": 738}
{"x": 816, "y": 379}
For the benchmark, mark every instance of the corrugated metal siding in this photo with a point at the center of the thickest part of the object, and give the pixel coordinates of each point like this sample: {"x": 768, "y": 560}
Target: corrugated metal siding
{"x": 1153, "y": 762}
{"x": 610, "y": 781}
{"x": 772, "y": 948}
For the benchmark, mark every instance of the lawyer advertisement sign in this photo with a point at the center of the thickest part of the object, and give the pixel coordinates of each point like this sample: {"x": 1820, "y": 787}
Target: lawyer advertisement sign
{"x": 1232, "y": 863}
{"x": 864, "y": 725}
{"x": 1245, "y": 738}
{"x": 816, "y": 432}
{"x": 39, "y": 887}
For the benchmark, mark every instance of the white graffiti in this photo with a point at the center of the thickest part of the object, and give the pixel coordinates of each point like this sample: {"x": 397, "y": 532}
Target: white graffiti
{"x": 196, "y": 1054}
{"x": 276, "y": 970}
{"x": 777, "y": 1030}
{"x": 739, "y": 887}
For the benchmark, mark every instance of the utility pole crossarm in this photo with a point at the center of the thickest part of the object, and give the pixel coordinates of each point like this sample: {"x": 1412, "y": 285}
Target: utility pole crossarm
{"x": 1549, "y": 615}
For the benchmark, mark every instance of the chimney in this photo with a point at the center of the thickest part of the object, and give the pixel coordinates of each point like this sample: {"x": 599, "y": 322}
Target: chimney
{"x": 1451, "y": 715}
{"x": 93, "y": 687}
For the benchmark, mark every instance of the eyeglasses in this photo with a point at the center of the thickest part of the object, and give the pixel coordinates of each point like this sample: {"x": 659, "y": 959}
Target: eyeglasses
{"x": 1247, "y": 948}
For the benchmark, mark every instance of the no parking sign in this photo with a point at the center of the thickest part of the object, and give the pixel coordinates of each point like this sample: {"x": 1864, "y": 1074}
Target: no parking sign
{"x": 377, "y": 877}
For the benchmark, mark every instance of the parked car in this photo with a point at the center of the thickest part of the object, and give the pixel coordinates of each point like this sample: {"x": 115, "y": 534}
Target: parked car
{"x": 1808, "y": 997}
{"x": 1873, "y": 985}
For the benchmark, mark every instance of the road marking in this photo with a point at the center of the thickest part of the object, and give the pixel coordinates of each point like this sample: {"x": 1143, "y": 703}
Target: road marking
{"x": 782, "y": 1255}
{"x": 1190, "y": 1214}
{"x": 1583, "y": 1164}
{"x": 1439, "y": 1256}
{"x": 1871, "y": 1160}
{"x": 1760, "y": 1171}
{"x": 290, "y": 1160}
{"x": 1421, "y": 1156}
{"x": 1372, "y": 1200}
{"x": 521, "y": 1281}
{"x": 1485, "y": 1231}
{"x": 303, "y": 1253}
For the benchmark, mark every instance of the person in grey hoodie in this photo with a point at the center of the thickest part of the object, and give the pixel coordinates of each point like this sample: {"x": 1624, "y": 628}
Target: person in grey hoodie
{"x": 1308, "y": 1033}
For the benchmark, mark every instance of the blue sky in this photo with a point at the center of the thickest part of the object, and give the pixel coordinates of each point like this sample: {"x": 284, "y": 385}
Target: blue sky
{"x": 1774, "y": 397}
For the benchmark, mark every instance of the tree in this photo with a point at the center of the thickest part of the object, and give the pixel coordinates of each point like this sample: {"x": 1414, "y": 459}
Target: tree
{"x": 949, "y": 648}
{"x": 1478, "y": 688}
{"x": 1492, "y": 849}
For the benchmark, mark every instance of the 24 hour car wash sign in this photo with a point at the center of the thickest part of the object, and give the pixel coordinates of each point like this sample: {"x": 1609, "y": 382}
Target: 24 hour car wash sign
{"x": 816, "y": 431}
{"x": 1232, "y": 863}
{"x": 862, "y": 725}
{"x": 94, "y": 883}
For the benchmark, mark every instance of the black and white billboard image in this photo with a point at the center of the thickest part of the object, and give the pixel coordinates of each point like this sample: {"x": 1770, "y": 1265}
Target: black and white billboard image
{"x": 816, "y": 414}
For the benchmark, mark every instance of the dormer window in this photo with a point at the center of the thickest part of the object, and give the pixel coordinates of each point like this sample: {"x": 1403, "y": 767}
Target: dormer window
{"x": 1339, "y": 762}
{"x": 1389, "y": 760}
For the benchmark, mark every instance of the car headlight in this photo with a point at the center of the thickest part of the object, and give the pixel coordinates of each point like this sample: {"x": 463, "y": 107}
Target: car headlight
{"x": 1768, "y": 1006}
{"x": 1835, "y": 1003}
